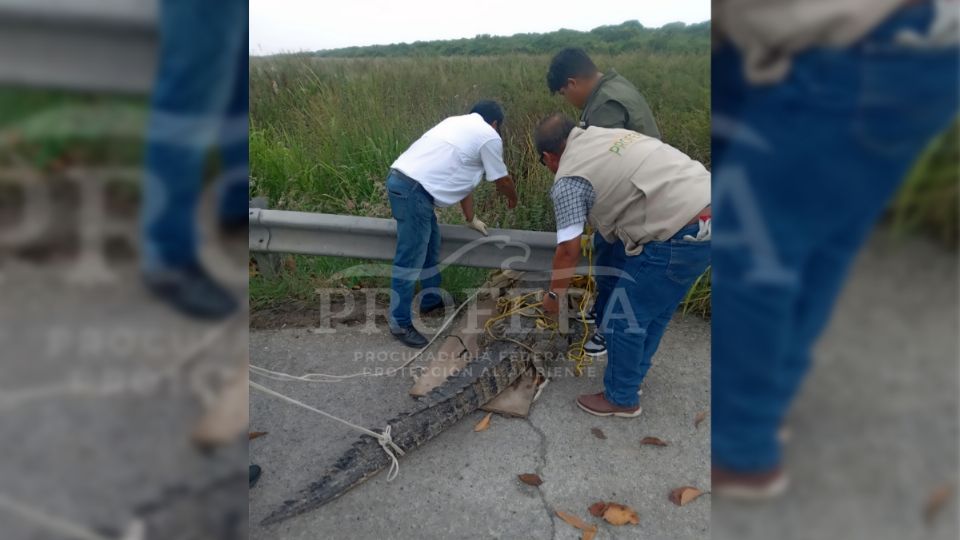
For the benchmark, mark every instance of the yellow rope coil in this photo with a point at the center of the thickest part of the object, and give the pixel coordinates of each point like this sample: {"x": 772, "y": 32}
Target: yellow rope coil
{"x": 528, "y": 305}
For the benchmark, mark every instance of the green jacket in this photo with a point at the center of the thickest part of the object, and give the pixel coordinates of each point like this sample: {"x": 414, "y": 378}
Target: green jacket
{"x": 616, "y": 103}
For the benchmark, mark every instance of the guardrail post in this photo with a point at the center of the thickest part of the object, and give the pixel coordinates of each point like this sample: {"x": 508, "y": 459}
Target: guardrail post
{"x": 268, "y": 264}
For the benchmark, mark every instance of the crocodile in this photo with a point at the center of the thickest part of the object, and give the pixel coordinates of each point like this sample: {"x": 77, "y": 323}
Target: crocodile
{"x": 500, "y": 364}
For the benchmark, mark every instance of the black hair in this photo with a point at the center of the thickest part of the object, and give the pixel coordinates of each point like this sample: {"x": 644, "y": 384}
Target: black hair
{"x": 490, "y": 111}
{"x": 569, "y": 63}
{"x": 552, "y": 132}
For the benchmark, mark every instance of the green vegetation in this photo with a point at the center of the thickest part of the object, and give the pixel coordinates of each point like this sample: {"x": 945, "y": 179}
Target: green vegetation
{"x": 326, "y": 126}
{"x": 49, "y": 128}
{"x": 928, "y": 201}
{"x": 630, "y": 36}
{"x": 300, "y": 276}
{"x": 324, "y": 132}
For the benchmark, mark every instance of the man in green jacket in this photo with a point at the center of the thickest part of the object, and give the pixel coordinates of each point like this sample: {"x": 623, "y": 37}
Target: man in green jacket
{"x": 607, "y": 100}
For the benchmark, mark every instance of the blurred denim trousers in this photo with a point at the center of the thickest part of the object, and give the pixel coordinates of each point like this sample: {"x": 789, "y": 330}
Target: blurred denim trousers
{"x": 638, "y": 306}
{"x": 802, "y": 171}
{"x": 418, "y": 248}
{"x": 612, "y": 255}
{"x": 199, "y": 103}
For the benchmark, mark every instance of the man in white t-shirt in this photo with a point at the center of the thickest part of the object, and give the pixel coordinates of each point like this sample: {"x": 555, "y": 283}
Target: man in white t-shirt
{"x": 440, "y": 169}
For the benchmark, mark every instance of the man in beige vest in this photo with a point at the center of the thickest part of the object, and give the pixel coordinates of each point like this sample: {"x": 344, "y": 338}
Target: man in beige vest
{"x": 653, "y": 203}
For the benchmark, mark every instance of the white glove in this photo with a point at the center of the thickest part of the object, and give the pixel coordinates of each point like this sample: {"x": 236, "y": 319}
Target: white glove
{"x": 703, "y": 234}
{"x": 478, "y": 226}
{"x": 944, "y": 29}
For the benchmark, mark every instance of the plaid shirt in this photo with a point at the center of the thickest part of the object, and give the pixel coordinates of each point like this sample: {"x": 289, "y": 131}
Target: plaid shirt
{"x": 573, "y": 198}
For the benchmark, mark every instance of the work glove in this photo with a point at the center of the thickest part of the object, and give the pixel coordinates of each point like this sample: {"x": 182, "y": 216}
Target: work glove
{"x": 703, "y": 234}
{"x": 478, "y": 226}
{"x": 944, "y": 30}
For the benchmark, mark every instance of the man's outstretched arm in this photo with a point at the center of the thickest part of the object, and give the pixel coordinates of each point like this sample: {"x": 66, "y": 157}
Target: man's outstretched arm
{"x": 565, "y": 260}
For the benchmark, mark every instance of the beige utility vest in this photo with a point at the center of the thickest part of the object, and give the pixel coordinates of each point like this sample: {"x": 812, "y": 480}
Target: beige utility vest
{"x": 645, "y": 190}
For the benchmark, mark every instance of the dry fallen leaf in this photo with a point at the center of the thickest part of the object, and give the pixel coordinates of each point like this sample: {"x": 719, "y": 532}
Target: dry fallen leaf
{"x": 589, "y": 533}
{"x": 574, "y": 520}
{"x": 936, "y": 501}
{"x": 530, "y": 479}
{"x": 618, "y": 514}
{"x": 701, "y": 416}
{"x": 683, "y": 495}
{"x": 653, "y": 441}
{"x": 596, "y": 509}
{"x": 598, "y": 433}
{"x": 256, "y": 434}
{"x": 483, "y": 424}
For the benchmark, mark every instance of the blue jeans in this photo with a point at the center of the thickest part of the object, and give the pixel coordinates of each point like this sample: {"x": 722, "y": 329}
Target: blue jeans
{"x": 639, "y": 307}
{"x": 418, "y": 248}
{"x": 199, "y": 102}
{"x": 606, "y": 255}
{"x": 794, "y": 200}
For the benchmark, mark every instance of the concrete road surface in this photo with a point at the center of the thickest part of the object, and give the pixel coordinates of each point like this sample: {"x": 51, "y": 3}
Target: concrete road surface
{"x": 874, "y": 430}
{"x": 463, "y": 484}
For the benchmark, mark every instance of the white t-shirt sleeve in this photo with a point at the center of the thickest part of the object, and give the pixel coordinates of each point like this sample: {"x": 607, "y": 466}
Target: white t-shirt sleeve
{"x": 569, "y": 232}
{"x": 491, "y": 154}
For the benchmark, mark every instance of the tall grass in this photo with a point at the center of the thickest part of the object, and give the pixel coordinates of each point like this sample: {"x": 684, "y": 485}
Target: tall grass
{"x": 324, "y": 131}
{"x": 928, "y": 200}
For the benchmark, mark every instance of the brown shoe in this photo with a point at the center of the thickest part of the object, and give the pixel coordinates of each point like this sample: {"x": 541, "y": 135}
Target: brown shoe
{"x": 597, "y": 405}
{"x": 748, "y": 486}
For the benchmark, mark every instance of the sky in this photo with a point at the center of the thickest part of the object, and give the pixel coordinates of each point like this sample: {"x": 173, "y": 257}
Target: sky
{"x": 308, "y": 25}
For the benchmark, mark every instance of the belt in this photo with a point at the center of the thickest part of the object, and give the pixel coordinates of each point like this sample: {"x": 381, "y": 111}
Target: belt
{"x": 413, "y": 182}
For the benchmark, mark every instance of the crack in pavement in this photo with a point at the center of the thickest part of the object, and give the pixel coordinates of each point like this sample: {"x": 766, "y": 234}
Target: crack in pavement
{"x": 542, "y": 454}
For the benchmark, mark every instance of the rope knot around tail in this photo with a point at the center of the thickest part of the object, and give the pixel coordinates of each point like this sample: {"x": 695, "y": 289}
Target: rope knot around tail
{"x": 385, "y": 439}
{"x": 386, "y": 442}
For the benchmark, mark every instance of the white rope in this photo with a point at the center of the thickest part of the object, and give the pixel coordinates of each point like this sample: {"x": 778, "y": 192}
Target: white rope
{"x": 323, "y": 377}
{"x": 135, "y": 531}
{"x": 385, "y": 439}
{"x": 309, "y": 377}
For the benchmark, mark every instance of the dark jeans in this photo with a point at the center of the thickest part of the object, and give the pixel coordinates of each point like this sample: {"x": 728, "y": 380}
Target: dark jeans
{"x": 802, "y": 172}
{"x": 640, "y": 303}
{"x": 418, "y": 248}
{"x": 606, "y": 255}
{"x": 199, "y": 103}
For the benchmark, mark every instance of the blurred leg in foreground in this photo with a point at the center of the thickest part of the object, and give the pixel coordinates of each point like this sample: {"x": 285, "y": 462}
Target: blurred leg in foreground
{"x": 804, "y": 168}
{"x": 199, "y": 103}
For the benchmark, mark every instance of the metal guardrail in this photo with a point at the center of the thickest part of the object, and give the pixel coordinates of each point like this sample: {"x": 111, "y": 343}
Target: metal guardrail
{"x": 305, "y": 233}
{"x": 94, "y": 45}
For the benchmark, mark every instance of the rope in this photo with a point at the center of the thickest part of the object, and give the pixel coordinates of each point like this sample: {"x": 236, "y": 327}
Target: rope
{"x": 506, "y": 307}
{"x": 69, "y": 529}
{"x": 385, "y": 439}
{"x": 589, "y": 285}
{"x": 523, "y": 306}
{"x": 323, "y": 377}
